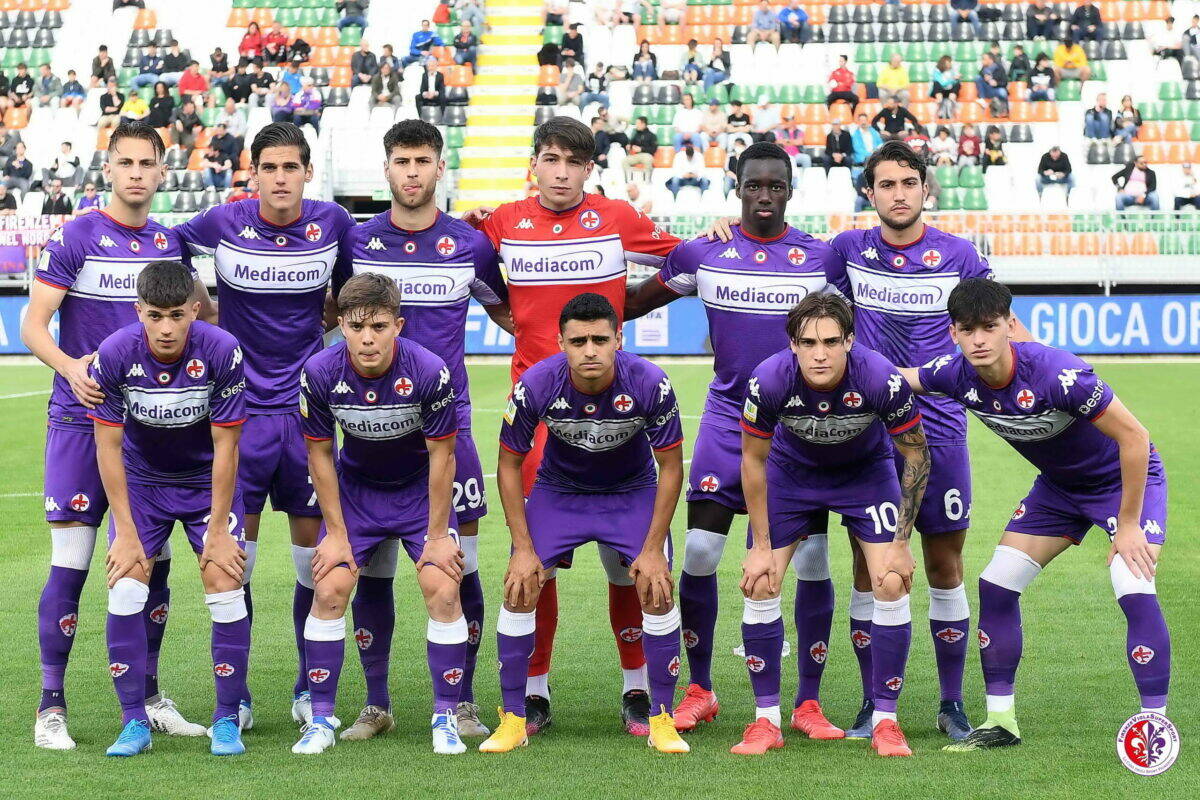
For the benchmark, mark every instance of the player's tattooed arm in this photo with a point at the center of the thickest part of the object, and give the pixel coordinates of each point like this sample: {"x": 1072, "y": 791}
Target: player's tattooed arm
{"x": 912, "y": 445}
{"x": 501, "y": 314}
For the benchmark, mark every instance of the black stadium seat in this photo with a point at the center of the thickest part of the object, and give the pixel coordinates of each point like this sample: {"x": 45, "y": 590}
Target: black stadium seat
{"x": 338, "y": 96}
{"x": 139, "y": 38}
{"x": 838, "y": 15}
{"x": 862, "y": 15}
{"x": 939, "y": 32}
{"x": 543, "y": 114}
{"x": 912, "y": 13}
{"x": 889, "y": 33}
{"x": 52, "y": 19}
{"x": 888, "y": 13}
{"x": 1013, "y": 12}
{"x": 1133, "y": 31}
{"x": 44, "y": 38}
{"x": 1097, "y": 153}
{"x": 939, "y": 13}
{"x": 643, "y": 95}
{"x": 668, "y": 95}
{"x": 1114, "y": 51}
{"x": 432, "y": 115}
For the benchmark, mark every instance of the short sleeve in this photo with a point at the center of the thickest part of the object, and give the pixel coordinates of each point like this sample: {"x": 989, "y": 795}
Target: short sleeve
{"x": 678, "y": 272}
{"x": 202, "y": 233}
{"x": 106, "y": 369}
{"x": 1076, "y": 389}
{"x": 61, "y": 259}
{"x": 491, "y": 227}
{"x": 644, "y": 241}
{"x": 896, "y": 404}
{"x": 663, "y": 428}
{"x": 488, "y": 285}
{"x": 937, "y": 376}
{"x": 762, "y": 402}
{"x": 439, "y": 417}
{"x": 228, "y": 404}
{"x": 316, "y": 419}
{"x": 520, "y": 420}
{"x": 343, "y": 265}
{"x": 974, "y": 264}
{"x": 835, "y": 269}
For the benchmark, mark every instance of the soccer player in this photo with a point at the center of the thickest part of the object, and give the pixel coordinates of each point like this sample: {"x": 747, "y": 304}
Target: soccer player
{"x": 611, "y": 415}
{"x": 166, "y": 447}
{"x": 439, "y": 263}
{"x": 273, "y": 261}
{"x": 394, "y": 403}
{"x": 816, "y": 421}
{"x": 87, "y": 274}
{"x": 747, "y": 285}
{"x": 554, "y": 245}
{"x": 1096, "y": 466}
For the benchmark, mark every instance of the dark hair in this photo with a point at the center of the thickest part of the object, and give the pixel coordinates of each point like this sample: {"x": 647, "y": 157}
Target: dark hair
{"x": 280, "y": 134}
{"x": 588, "y": 307}
{"x": 896, "y": 151}
{"x": 412, "y": 133}
{"x": 138, "y": 130}
{"x": 642, "y": 120}
{"x": 165, "y": 284}
{"x": 567, "y": 133}
{"x": 762, "y": 151}
{"x": 368, "y": 292}
{"x": 818, "y": 306}
{"x": 979, "y": 300}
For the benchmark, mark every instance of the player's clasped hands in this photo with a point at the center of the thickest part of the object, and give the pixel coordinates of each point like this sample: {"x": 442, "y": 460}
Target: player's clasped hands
{"x": 85, "y": 389}
{"x": 898, "y": 560}
{"x": 524, "y": 576}
{"x": 222, "y": 550}
{"x": 1132, "y": 546}
{"x": 759, "y": 563}
{"x": 126, "y": 558}
{"x": 442, "y": 552}
{"x": 332, "y": 552}
{"x": 652, "y": 576}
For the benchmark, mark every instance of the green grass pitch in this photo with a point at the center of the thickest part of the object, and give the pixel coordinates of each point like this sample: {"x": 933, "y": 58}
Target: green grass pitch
{"x": 1074, "y": 688}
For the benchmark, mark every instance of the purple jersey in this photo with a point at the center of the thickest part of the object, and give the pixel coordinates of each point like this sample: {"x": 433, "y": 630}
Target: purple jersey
{"x": 97, "y": 261}
{"x": 438, "y": 270}
{"x": 271, "y": 284}
{"x": 900, "y": 295}
{"x": 844, "y": 426}
{"x": 1044, "y": 410}
{"x": 167, "y": 408}
{"x": 747, "y": 285}
{"x": 598, "y": 442}
{"x": 385, "y": 420}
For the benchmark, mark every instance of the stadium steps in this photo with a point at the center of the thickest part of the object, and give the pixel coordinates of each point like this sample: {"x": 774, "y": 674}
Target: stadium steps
{"x": 495, "y": 152}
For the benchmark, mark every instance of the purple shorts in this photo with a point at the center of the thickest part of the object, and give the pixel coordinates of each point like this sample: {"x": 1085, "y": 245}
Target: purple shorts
{"x": 716, "y": 471}
{"x": 273, "y": 461}
{"x": 469, "y": 498}
{"x": 561, "y": 521}
{"x": 156, "y": 509}
{"x": 72, "y": 486}
{"x": 374, "y": 513}
{"x": 799, "y": 501}
{"x": 1051, "y": 510}
{"x": 947, "y": 503}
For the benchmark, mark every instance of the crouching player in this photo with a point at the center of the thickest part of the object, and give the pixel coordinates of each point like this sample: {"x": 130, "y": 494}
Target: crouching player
{"x": 394, "y": 402}
{"x": 1096, "y": 466}
{"x": 606, "y": 411}
{"x": 833, "y": 405}
{"x": 166, "y": 446}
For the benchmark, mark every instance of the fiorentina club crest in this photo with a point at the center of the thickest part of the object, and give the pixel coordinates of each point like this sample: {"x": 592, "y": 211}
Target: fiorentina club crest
{"x": 860, "y": 638}
{"x": 160, "y": 240}
{"x": 473, "y": 632}
{"x": 159, "y": 614}
{"x": 195, "y": 369}
{"x": 589, "y": 220}
{"x": 224, "y": 669}
{"x": 931, "y": 258}
{"x": 852, "y": 399}
{"x": 452, "y": 676}
{"x": 622, "y": 403}
{"x": 1025, "y": 399}
{"x": 117, "y": 669}
{"x": 949, "y": 635}
{"x": 796, "y": 256}
{"x": 984, "y": 639}
{"x": 630, "y": 634}
{"x": 690, "y": 638}
{"x": 894, "y": 683}
{"x": 755, "y": 664}
{"x": 1019, "y": 512}
{"x": 318, "y": 675}
{"x": 364, "y": 638}
{"x": 403, "y": 386}
{"x": 80, "y": 502}
{"x": 68, "y": 623}
{"x": 819, "y": 652}
{"x": 673, "y": 667}
{"x": 709, "y": 483}
{"x": 446, "y": 246}
{"x": 1148, "y": 743}
{"x": 1142, "y": 654}
{"x": 312, "y": 232}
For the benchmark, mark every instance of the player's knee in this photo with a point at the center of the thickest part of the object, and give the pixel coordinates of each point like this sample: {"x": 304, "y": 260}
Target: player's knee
{"x": 891, "y": 588}
{"x": 72, "y": 548}
{"x": 702, "y": 552}
{"x": 1125, "y": 582}
{"x": 441, "y": 594}
{"x": 944, "y": 575}
{"x": 811, "y": 559}
{"x": 1010, "y": 569}
{"x": 226, "y": 606}
{"x": 333, "y": 592}
{"x": 127, "y": 597}
{"x": 383, "y": 560}
{"x": 761, "y": 611}
{"x": 617, "y": 573}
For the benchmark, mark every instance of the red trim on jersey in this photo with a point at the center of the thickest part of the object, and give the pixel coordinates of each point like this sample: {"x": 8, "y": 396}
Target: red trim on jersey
{"x": 905, "y": 426}
{"x": 106, "y": 422}
{"x": 754, "y": 238}
{"x": 122, "y": 224}
{"x": 391, "y": 361}
{"x": 665, "y": 448}
{"x": 40, "y": 279}
{"x": 284, "y": 225}
{"x": 440, "y": 438}
{"x": 1012, "y": 374}
{"x": 233, "y": 424}
{"x": 1104, "y": 411}
{"x": 436, "y": 218}
{"x": 318, "y": 438}
{"x": 755, "y": 431}
{"x": 924, "y": 230}
{"x": 605, "y": 388}
{"x": 515, "y": 452}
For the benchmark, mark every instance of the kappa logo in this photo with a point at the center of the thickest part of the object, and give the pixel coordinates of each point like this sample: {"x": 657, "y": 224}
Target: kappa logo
{"x": 52, "y": 504}
{"x": 894, "y": 683}
{"x": 984, "y": 639}
{"x": 80, "y": 502}
{"x": 474, "y": 630}
{"x": 224, "y": 669}
{"x": 106, "y": 241}
{"x": 860, "y": 638}
{"x": 248, "y": 233}
{"x": 664, "y": 389}
{"x": 690, "y": 638}
{"x": 971, "y": 396}
{"x": 375, "y": 244}
{"x": 730, "y": 252}
{"x": 318, "y": 675}
{"x": 630, "y": 634}
{"x": 819, "y": 652}
{"x": 525, "y": 224}
{"x": 443, "y": 378}
{"x": 159, "y": 614}
{"x": 673, "y": 667}
{"x": 518, "y": 393}
{"x": 364, "y": 638}
{"x": 1025, "y": 399}
{"x": 195, "y": 369}
{"x": 560, "y": 404}
{"x": 446, "y": 246}
{"x": 755, "y": 664}
{"x": 313, "y": 232}
{"x": 871, "y": 253}
{"x": 403, "y": 386}
{"x": 1142, "y": 654}
{"x": 939, "y": 362}
{"x": 753, "y": 388}
{"x": 117, "y": 669}
{"x": 794, "y": 402}
{"x": 136, "y": 371}
{"x": 342, "y": 388}
{"x": 1068, "y": 377}
{"x": 57, "y": 236}
{"x": 709, "y": 483}
{"x": 237, "y": 359}
{"x": 68, "y": 624}
{"x": 950, "y": 635}
{"x": 452, "y": 676}
{"x": 1151, "y": 528}
{"x": 303, "y": 377}
{"x": 894, "y": 383}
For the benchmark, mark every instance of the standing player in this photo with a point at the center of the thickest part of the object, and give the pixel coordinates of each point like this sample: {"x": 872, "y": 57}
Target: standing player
{"x": 747, "y": 285}
{"x": 439, "y": 263}
{"x": 554, "y": 245}
{"x": 1096, "y": 466}
{"x": 88, "y": 273}
{"x": 273, "y": 260}
{"x": 611, "y": 416}
{"x": 833, "y": 404}
{"x": 394, "y": 402}
{"x": 166, "y": 448}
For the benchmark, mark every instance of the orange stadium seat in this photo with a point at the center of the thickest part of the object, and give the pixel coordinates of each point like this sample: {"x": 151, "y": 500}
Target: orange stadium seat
{"x": 664, "y": 156}
{"x": 17, "y": 117}
{"x": 340, "y": 77}
{"x": 102, "y": 137}
{"x": 968, "y": 92}
{"x": 814, "y": 135}
{"x": 238, "y": 18}
{"x": 714, "y": 157}
{"x": 146, "y": 19}
{"x": 1174, "y": 132}
{"x": 840, "y": 112}
{"x": 460, "y": 75}
{"x": 812, "y": 113}
{"x": 548, "y": 75}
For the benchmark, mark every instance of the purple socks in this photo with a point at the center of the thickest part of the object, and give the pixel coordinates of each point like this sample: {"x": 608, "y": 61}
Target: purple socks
{"x": 698, "y": 613}
{"x": 374, "y": 613}
{"x": 949, "y": 624}
{"x": 446, "y": 650}
{"x": 762, "y": 635}
{"x": 660, "y": 644}
{"x": 814, "y": 621}
{"x": 58, "y": 619}
{"x": 891, "y": 634}
{"x": 514, "y": 643}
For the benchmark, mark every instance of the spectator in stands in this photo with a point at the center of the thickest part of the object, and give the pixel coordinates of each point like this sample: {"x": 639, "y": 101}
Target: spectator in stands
{"x": 992, "y": 85}
{"x": 281, "y": 103}
{"x": 864, "y": 139}
{"x": 354, "y": 12}
{"x": 793, "y": 24}
{"x": 110, "y": 106}
{"x": 239, "y": 88}
{"x": 217, "y": 168}
{"x": 839, "y": 150}
{"x": 642, "y": 147}
{"x": 90, "y": 200}
{"x": 73, "y": 93}
{"x": 892, "y": 81}
{"x": 219, "y": 74}
{"x": 261, "y": 84}
{"x": 633, "y": 195}
{"x": 21, "y": 89}
{"x": 718, "y": 68}
{"x": 1020, "y": 68}
{"x": 275, "y": 46}
{"x": 432, "y": 91}
{"x": 233, "y": 120}
{"x": 993, "y": 149}
{"x": 307, "y": 104}
{"x": 1042, "y": 80}
{"x": 421, "y": 43}
{"x": 602, "y": 143}
{"x": 389, "y": 57}
{"x": 645, "y": 64}
{"x": 1168, "y": 43}
{"x": 66, "y": 167}
{"x": 242, "y": 190}
{"x": 967, "y": 13}
{"x": 1085, "y": 22}
{"x": 186, "y": 126}
{"x": 4, "y": 87}
{"x": 1055, "y": 167}
{"x": 175, "y": 63}
{"x": 687, "y": 170}
{"x": 893, "y": 118}
{"x": 162, "y": 105}
{"x": 251, "y": 46}
{"x": 466, "y": 45}
{"x": 193, "y": 84}
{"x": 764, "y": 26}
{"x": 1137, "y": 185}
{"x": 691, "y": 64}
{"x": 102, "y": 67}
{"x": 225, "y": 142}
{"x": 1041, "y": 20}
{"x": 8, "y": 142}
{"x": 766, "y": 120}
{"x": 150, "y": 66}
{"x": 570, "y": 84}
{"x": 943, "y": 150}
{"x": 671, "y": 11}
{"x": 862, "y": 200}
{"x": 687, "y": 124}
{"x": 48, "y": 88}
{"x": 572, "y": 45}
{"x": 790, "y": 136}
{"x": 916, "y": 139}
{"x": 556, "y": 11}
{"x": 385, "y": 87}
{"x": 970, "y": 146}
{"x": 713, "y": 124}
{"x": 737, "y": 124}
{"x": 1189, "y": 190}
{"x": 18, "y": 172}
{"x": 291, "y": 76}
{"x": 56, "y": 200}
{"x": 731, "y": 164}
{"x": 1191, "y": 38}
{"x": 1098, "y": 120}
{"x": 1127, "y": 121}
{"x": 945, "y": 86}
{"x": 364, "y": 64}
{"x": 1071, "y": 62}
{"x": 841, "y": 85}
{"x": 933, "y": 189}
{"x": 470, "y": 11}
{"x": 595, "y": 86}
{"x": 8, "y": 202}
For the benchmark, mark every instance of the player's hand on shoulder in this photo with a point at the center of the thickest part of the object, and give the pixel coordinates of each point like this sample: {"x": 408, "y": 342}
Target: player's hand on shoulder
{"x": 476, "y": 216}
{"x": 126, "y": 559}
{"x": 1130, "y": 543}
{"x": 652, "y": 576}
{"x": 898, "y": 560}
{"x": 222, "y": 550}
{"x": 759, "y": 563}
{"x": 722, "y": 228}
{"x": 83, "y": 385}
{"x": 524, "y": 576}
{"x": 332, "y": 552}
{"x": 441, "y": 551}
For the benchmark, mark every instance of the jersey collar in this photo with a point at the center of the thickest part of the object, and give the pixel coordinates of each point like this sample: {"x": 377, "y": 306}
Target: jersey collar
{"x": 437, "y": 218}
{"x": 786, "y": 229}
{"x": 582, "y": 200}
{"x": 122, "y": 224}
{"x": 1012, "y": 373}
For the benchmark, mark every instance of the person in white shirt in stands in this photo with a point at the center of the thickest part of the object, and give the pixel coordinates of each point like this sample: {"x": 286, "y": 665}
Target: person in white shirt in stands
{"x": 688, "y": 170}
{"x": 766, "y": 120}
{"x": 687, "y": 123}
{"x": 1168, "y": 43}
{"x": 633, "y": 194}
{"x": 1189, "y": 190}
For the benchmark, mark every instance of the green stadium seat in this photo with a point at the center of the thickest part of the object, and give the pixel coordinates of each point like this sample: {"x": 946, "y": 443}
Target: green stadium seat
{"x": 947, "y": 177}
{"x": 1068, "y": 90}
{"x": 1099, "y": 71}
{"x": 866, "y": 53}
{"x": 789, "y": 93}
{"x": 663, "y": 115}
{"x": 812, "y": 94}
{"x": 649, "y": 15}
{"x": 1171, "y": 244}
{"x": 310, "y": 3}
{"x": 446, "y": 32}
{"x": 970, "y": 177}
{"x": 285, "y": 3}
{"x": 1151, "y": 111}
{"x": 920, "y": 73}
{"x": 1170, "y": 91}
{"x": 719, "y": 92}
{"x": 974, "y": 200}
{"x": 552, "y": 34}
{"x": 1194, "y": 245}
{"x": 288, "y": 17}
{"x": 867, "y": 73}
{"x": 950, "y": 200}
{"x": 665, "y": 134}
{"x": 452, "y": 158}
{"x": 1192, "y": 110}
{"x": 350, "y": 36}
{"x": 124, "y": 74}
{"x": 1196, "y": 131}
{"x": 891, "y": 49}
{"x": 455, "y": 137}
{"x": 916, "y": 52}
{"x": 968, "y": 51}
{"x": 745, "y": 94}
{"x": 1171, "y": 110}
{"x": 147, "y": 93}
{"x": 208, "y": 115}
{"x": 328, "y": 18}
{"x": 161, "y": 204}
